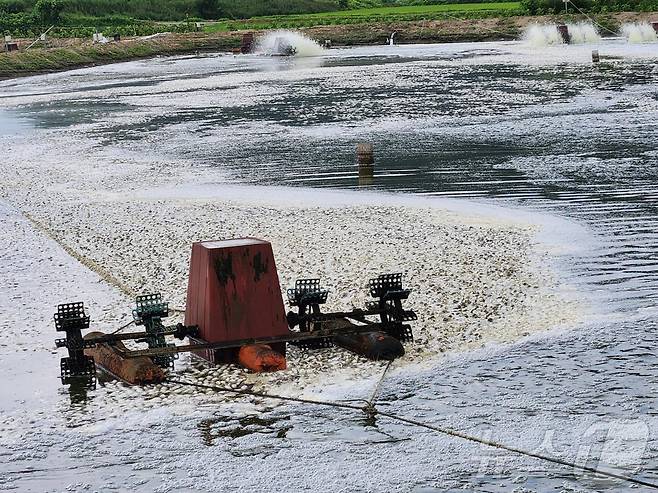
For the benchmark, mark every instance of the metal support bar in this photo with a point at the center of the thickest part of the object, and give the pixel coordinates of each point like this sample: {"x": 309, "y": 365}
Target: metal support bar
{"x": 292, "y": 337}
{"x": 179, "y": 331}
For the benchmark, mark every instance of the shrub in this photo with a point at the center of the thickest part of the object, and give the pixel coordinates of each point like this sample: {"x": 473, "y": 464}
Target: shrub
{"x": 48, "y": 11}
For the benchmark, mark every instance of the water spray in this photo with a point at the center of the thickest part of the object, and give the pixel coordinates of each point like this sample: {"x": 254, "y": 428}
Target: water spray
{"x": 551, "y": 34}
{"x": 287, "y": 43}
{"x": 640, "y": 32}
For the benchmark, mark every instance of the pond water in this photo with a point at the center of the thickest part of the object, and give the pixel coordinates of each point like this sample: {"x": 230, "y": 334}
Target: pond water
{"x": 538, "y": 129}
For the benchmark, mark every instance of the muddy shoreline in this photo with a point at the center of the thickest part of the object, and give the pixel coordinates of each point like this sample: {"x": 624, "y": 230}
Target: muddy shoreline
{"x": 68, "y": 54}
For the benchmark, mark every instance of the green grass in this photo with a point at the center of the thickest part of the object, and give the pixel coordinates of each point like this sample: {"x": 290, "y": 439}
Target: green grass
{"x": 81, "y": 18}
{"x": 371, "y": 15}
{"x": 38, "y": 60}
{"x": 420, "y": 9}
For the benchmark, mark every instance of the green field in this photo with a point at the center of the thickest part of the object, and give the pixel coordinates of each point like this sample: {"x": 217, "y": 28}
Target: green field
{"x": 368, "y": 15}
{"x": 419, "y": 9}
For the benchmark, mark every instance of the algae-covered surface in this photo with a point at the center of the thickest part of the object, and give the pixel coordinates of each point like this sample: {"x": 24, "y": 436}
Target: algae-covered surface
{"x": 514, "y": 186}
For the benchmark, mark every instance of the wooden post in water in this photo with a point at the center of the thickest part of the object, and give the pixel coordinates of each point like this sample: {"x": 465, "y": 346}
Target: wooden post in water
{"x": 595, "y": 56}
{"x": 366, "y": 162}
{"x": 365, "y": 155}
{"x": 655, "y": 26}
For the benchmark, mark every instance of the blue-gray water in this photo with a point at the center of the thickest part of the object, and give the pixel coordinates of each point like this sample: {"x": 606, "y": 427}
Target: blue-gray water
{"x": 540, "y": 129}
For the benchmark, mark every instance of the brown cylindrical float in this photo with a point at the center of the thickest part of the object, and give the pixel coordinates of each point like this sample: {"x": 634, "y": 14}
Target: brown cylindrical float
{"x": 140, "y": 370}
{"x": 372, "y": 345}
{"x": 261, "y": 358}
{"x": 564, "y": 33}
{"x": 595, "y": 56}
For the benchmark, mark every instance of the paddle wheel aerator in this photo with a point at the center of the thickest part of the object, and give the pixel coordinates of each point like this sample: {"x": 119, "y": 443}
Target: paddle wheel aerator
{"x": 235, "y": 314}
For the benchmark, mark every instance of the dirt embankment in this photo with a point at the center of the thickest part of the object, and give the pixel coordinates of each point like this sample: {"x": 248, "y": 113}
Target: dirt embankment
{"x": 456, "y": 30}
{"x": 66, "y": 54}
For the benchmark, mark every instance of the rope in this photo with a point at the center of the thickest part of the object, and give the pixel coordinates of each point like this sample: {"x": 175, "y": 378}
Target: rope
{"x": 422, "y": 28}
{"x": 123, "y": 327}
{"x": 39, "y": 38}
{"x": 591, "y": 19}
{"x": 491, "y": 443}
{"x": 268, "y": 396}
{"x": 370, "y": 410}
{"x": 381, "y": 379}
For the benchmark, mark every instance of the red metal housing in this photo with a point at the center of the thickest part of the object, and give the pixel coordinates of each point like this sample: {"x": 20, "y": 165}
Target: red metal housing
{"x": 247, "y": 45}
{"x": 563, "y": 30}
{"x": 234, "y": 293}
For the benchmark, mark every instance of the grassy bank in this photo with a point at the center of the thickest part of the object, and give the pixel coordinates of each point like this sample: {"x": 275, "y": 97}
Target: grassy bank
{"x": 74, "y": 22}
{"x": 38, "y": 60}
{"x": 372, "y": 15}
{"x": 80, "y": 54}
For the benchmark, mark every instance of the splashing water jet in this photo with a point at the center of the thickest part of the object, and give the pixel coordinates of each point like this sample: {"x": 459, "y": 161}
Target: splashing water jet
{"x": 539, "y": 35}
{"x": 542, "y": 35}
{"x": 640, "y": 32}
{"x": 303, "y": 46}
{"x": 583, "y": 33}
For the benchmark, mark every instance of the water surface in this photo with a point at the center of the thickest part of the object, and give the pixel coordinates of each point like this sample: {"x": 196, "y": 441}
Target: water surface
{"x": 541, "y": 129}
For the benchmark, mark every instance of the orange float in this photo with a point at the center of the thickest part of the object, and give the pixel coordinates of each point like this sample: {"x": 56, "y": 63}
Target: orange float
{"x": 261, "y": 358}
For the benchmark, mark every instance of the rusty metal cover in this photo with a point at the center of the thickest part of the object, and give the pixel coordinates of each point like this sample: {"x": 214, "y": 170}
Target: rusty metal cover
{"x": 247, "y": 45}
{"x": 234, "y": 293}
